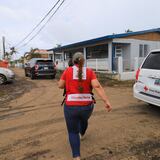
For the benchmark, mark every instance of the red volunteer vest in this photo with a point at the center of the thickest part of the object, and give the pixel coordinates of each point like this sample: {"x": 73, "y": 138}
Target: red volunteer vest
{"x": 73, "y": 96}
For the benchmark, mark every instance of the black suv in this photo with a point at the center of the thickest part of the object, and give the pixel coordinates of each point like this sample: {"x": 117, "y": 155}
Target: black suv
{"x": 40, "y": 67}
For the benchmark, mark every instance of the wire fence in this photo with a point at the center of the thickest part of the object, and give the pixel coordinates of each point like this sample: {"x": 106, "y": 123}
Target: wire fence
{"x": 132, "y": 64}
{"x": 140, "y": 60}
{"x": 128, "y": 65}
{"x": 115, "y": 64}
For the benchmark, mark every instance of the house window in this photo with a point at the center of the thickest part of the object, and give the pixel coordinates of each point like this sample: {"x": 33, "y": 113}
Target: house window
{"x": 98, "y": 51}
{"x": 143, "y": 50}
{"x": 140, "y": 50}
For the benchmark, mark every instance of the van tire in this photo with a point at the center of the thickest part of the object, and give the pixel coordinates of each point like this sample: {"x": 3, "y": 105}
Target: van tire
{"x": 152, "y": 105}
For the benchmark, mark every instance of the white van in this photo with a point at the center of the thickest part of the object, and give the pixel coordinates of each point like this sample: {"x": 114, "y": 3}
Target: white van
{"x": 147, "y": 85}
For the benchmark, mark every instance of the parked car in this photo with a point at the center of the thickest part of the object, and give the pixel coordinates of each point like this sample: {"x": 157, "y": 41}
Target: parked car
{"x": 147, "y": 85}
{"x": 6, "y": 75}
{"x": 37, "y": 67}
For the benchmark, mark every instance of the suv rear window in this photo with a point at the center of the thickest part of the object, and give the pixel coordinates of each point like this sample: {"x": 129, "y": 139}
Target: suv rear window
{"x": 42, "y": 62}
{"x": 152, "y": 61}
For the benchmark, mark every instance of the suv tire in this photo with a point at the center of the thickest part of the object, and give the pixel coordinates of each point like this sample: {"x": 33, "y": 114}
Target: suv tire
{"x": 26, "y": 74}
{"x": 32, "y": 76}
{"x": 53, "y": 77}
{"x": 2, "y": 79}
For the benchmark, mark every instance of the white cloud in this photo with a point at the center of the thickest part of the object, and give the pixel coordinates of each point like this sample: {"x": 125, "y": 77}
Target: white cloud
{"x": 76, "y": 20}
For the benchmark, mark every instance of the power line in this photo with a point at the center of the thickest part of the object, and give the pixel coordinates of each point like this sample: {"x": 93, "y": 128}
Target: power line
{"x": 43, "y": 25}
{"x": 38, "y": 24}
{"x": 8, "y": 44}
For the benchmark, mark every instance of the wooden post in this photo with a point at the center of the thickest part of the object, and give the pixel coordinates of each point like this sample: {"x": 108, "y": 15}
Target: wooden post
{"x": 85, "y": 56}
{"x": 3, "y": 41}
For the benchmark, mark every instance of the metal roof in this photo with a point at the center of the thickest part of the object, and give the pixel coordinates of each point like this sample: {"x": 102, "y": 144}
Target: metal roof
{"x": 104, "y": 38}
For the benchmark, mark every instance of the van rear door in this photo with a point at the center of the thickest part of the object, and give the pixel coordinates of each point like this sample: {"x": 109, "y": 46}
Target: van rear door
{"x": 150, "y": 74}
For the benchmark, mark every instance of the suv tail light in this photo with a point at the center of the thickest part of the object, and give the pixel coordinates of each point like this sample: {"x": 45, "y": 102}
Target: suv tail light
{"x": 137, "y": 74}
{"x": 36, "y": 67}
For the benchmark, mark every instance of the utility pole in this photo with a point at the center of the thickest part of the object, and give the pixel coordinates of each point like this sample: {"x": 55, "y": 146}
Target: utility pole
{"x": 4, "y": 51}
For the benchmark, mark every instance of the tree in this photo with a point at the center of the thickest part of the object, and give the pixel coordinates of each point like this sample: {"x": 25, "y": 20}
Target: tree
{"x": 12, "y": 50}
{"x": 58, "y": 45}
{"x": 31, "y": 54}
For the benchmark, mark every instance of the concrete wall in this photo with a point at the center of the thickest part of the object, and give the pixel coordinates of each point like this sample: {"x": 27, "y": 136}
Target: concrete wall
{"x": 126, "y": 57}
{"x": 134, "y": 47}
{"x": 127, "y": 76}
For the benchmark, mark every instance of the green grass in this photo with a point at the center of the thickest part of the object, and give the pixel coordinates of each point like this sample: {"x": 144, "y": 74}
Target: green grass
{"x": 107, "y": 81}
{"x": 115, "y": 83}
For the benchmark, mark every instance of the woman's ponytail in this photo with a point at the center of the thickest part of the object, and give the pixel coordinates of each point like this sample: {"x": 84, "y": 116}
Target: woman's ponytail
{"x": 79, "y": 60}
{"x": 80, "y": 68}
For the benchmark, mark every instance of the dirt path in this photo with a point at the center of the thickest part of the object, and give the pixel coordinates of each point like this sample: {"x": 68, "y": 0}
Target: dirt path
{"x": 32, "y": 126}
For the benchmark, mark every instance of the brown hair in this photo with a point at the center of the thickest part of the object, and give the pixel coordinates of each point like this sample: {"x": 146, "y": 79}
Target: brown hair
{"x": 78, "y": 58}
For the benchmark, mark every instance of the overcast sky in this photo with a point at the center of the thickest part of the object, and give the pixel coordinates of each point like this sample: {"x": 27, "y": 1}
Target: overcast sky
{"x": 77, "y": 20}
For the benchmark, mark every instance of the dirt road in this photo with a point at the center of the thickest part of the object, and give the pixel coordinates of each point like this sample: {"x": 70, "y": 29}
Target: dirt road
{"x": 32, "y": 126}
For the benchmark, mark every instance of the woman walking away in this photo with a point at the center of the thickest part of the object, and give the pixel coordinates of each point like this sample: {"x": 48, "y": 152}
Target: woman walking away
{"x": 78, "y": 82}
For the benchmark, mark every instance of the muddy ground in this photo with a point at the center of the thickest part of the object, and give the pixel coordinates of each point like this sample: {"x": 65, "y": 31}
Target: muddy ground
{"x": 32, "y": 125}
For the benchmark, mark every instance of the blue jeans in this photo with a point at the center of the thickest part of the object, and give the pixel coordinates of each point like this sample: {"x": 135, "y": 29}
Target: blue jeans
{"x": 77, "y": 122}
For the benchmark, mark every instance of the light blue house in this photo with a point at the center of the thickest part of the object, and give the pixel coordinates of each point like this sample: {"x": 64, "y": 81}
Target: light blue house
{"x": 102, "y": 53}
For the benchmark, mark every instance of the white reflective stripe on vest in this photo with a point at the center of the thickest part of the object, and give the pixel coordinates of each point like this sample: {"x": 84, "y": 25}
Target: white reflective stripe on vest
{"x": 75, "y": 73}
{"x": 79, "y": 97}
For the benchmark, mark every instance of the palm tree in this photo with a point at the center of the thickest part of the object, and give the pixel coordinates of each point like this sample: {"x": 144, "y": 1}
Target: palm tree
{"x": 31, "y": 54}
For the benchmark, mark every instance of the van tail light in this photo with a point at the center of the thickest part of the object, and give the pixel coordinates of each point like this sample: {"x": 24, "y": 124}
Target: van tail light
{"x": 36, "y": 67}
{"x": 137, "y": 74}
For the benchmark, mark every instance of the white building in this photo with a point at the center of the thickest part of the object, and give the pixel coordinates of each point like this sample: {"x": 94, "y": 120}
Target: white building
{"x": 102, "y": 53}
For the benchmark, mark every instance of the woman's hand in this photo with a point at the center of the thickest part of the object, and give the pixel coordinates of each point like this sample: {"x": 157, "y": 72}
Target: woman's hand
{"x": 100, "y": 91}
{"x": 61, "y": 84}
{"x": 108, "y": 105}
